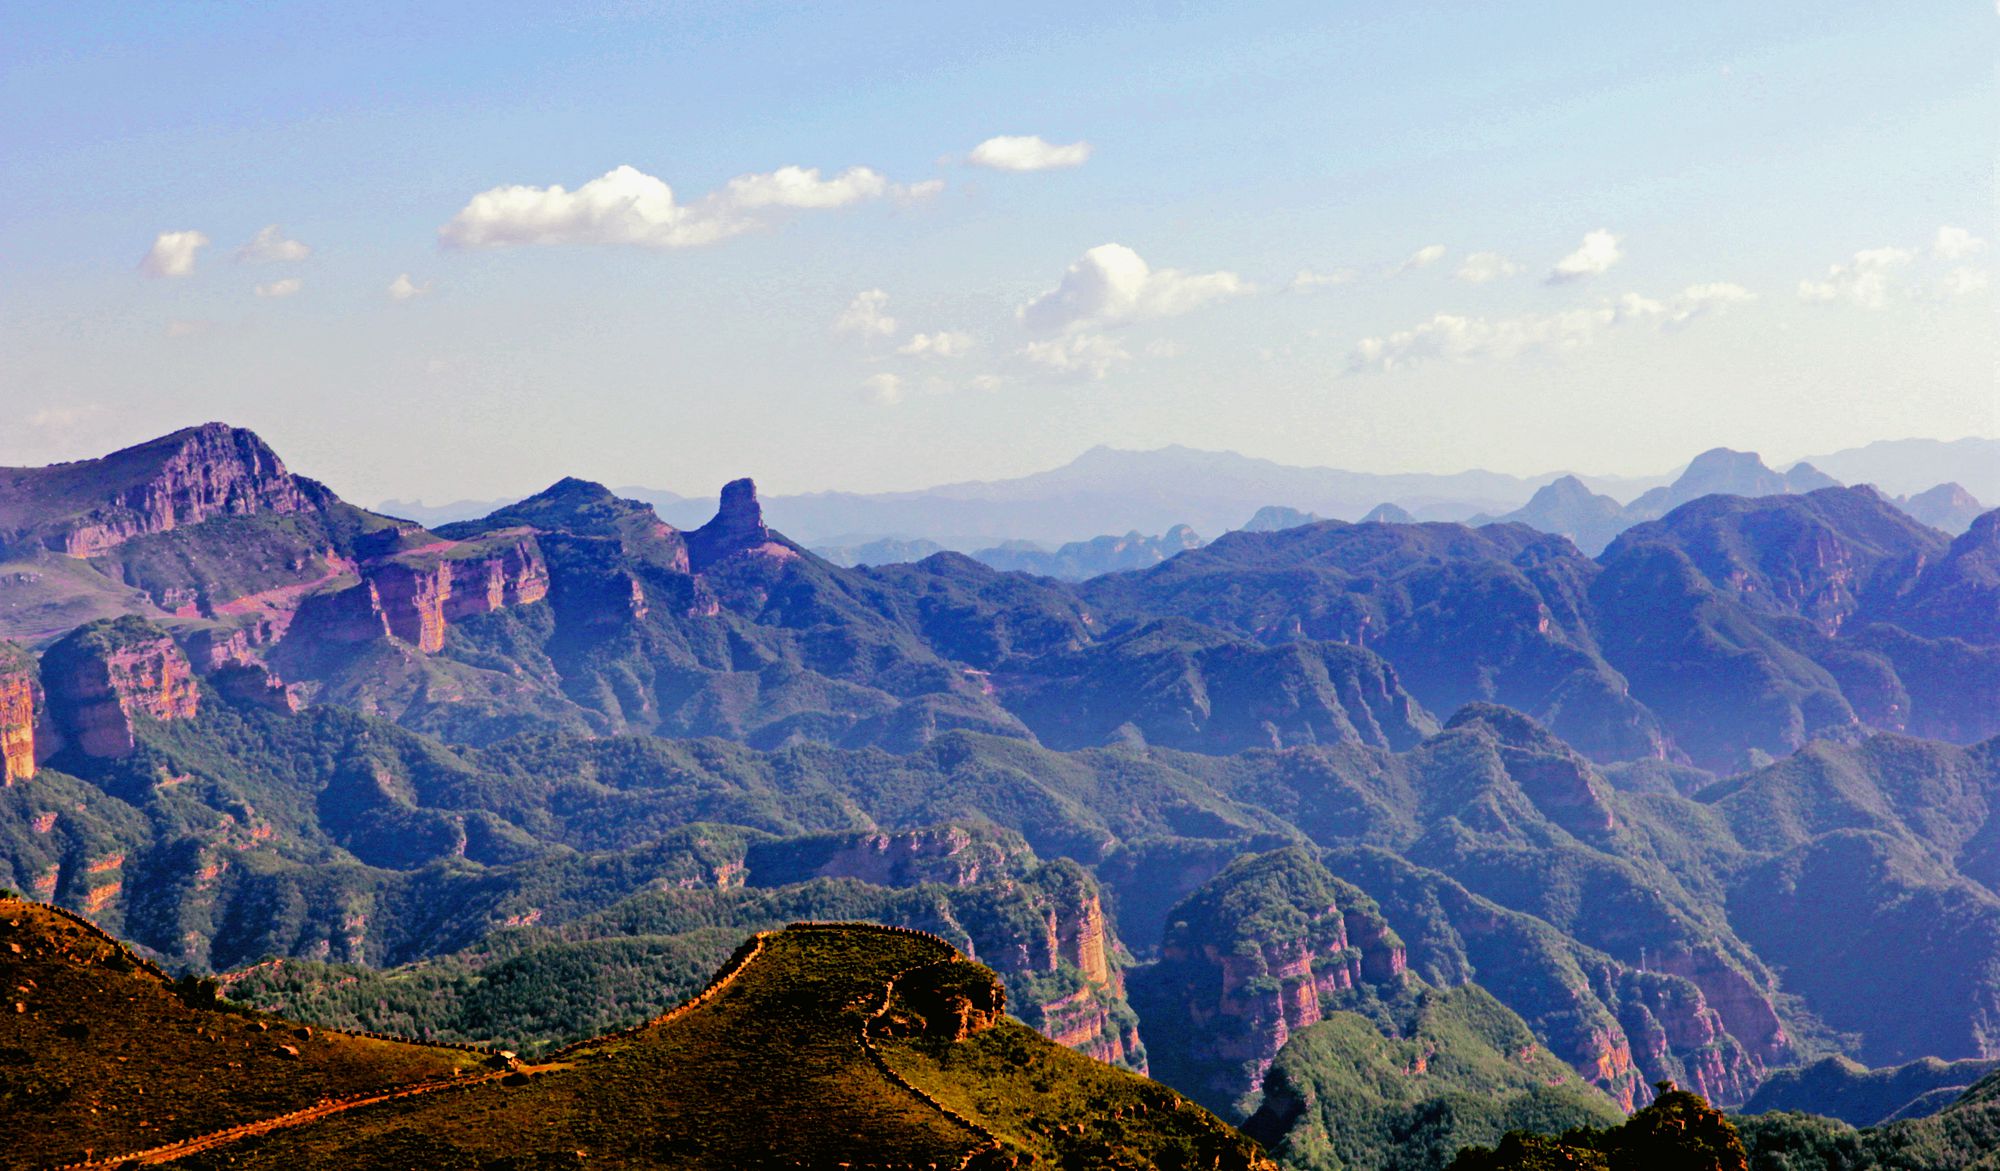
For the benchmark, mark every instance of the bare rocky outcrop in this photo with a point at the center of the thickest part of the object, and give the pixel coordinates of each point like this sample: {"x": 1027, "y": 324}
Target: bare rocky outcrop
{"x": 105, "y": 675}
{"x": 738, "y": 527}
{"x": 952, "y": 1000}
{"x": 415, "y": 597}
{"x": 419, "y": 599}
{"x": 18, "y": 708}
{"x": 176, "y": 480}
{"x": 1253, "y": 956}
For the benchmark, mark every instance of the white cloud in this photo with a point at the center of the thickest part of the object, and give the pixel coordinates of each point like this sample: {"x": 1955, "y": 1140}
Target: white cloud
{"x": 1955, "y": 244}
{"x": 1423, "y": 257}
{"x": 1306, "y": 279}
{"x": 283, "y": 288}
{"x": 1481, "y": 267}
{"x": 802, "y": 187}
{"x": 1164, "y": 348}
{"x": 1080, "y": 355}
{"x": 1966, "y": 281}
{"x": 628, "y": 206}
{"x": 945, "y": 343}
{"x": 1863, "y": 280}
{"x": 882, "y": 389}
{"x": 403, "y": 288}
{"x": 1452, "y": 338}
{"x": 185, "y": 328}
{"x": 1027, "y": 152}
{"x": 172, "y": 254}
{"x": 1598, "y": 252}
{"x": 867, "y": 315}
{"x": 271, "y": 244}
{"x": 1111, "y": 285}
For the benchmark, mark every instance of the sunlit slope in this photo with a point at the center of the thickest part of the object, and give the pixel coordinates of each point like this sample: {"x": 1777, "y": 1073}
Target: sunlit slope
{"x": 99, "y": 1054}
{"x": 771, "y": 1067}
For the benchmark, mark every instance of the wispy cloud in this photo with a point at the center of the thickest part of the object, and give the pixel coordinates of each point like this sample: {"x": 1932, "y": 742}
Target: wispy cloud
{"x": 1956, "y": 244}
{"x": 883, "y": 389}
{"x": 271, "y": 244}
{"x": 1599, "y": 251}
{"x": 945, "y": 343}
{"x": 1027, "y": 152}
{"x": 1481, "y": 267}
{"x": 1864, "y": 280}
{"x": 403, "y": 288}
{"x": 172, "y": 254}
{"x": 1966, "y": 281}
{"x": 629, "y": 207}
{"x": 1453, "y": 338}
{"x": 1112, "y": 285}
{"x": 1307, "y": 280}
{"x": 867, "y": 315}
{"x": 282, "y": 288}
{"x": 1079, "y": 355}
{"x": 1423, "y": 257}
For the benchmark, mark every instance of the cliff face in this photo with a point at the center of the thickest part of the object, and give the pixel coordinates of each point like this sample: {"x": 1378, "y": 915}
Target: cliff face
{"x": 1674, "y": 1034}
{"x": 420, "y": 599}
{"x": 1057, "y": 953}
{"x": 417, "y": 596}
{"x": 738, "y": 527}
{"x": 104, "y": 675}
{"x": 17, "y": 715}
{"x": 1258, "y": 953}
{"x": 182, "y": 479}
{"x": 1689, "y": 1016}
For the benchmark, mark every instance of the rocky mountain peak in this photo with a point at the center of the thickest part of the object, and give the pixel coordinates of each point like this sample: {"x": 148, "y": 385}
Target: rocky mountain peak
{"x": 738, "y": 525}
{"x": 184, "y": 478}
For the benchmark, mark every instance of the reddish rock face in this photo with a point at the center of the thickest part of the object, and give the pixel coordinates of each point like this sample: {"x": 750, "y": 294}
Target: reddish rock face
{"x": 738, "y": 527}
{"x": 183, "y": 479}
{"x": 17, "y": 725}
{"x": 104, "y": 675}
{"x": 419, "y": 602}
{"x": 1244, "y": 1003}
{"x": 1744, "y": 1009}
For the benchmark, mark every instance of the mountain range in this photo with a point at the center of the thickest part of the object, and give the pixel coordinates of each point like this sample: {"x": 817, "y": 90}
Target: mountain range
{"x": 1711, "y": 804}
{"x": 1112, "y": 491}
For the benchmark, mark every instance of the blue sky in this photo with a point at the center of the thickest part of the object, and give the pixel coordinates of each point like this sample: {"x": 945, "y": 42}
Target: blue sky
{"x": 1263, "y": 236}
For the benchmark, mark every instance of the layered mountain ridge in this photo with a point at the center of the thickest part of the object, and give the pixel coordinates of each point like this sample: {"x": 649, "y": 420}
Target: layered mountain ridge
{"x": 1282, "y": 786}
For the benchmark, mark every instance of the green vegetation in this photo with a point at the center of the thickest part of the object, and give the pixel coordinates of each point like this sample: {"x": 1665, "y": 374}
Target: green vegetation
{"x": 772, "y": 1071}
{"x": 1680, "y": 1131}
{"x": 1963, "y": 1136}
{"x": 1462, "y": 1071}
{"x": 99, "y": 1053}
{"x": 1851, "y": 1092}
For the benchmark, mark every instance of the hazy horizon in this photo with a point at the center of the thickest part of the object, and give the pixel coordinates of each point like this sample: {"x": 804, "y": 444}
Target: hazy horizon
{"x": 459, "y": 252}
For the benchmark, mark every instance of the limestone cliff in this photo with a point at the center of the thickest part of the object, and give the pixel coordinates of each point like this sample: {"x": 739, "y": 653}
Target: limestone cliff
{"x": 105, "y": 675}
